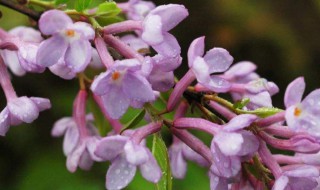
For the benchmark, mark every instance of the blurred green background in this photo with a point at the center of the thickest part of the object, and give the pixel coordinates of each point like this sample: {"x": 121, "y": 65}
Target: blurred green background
{"x": 281, "y": 37}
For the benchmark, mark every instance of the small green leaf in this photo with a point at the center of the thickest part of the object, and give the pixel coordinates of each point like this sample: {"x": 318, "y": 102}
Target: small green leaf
{"x": 58, "y": 2}
{"x": 240, "y": 104}
{"x": 134, "y": 121}
{"x": 265, "y": 112}
{"x": 160, "y": 152}
{"x": 81, "y": 5}
{"x": 108, "y": 9}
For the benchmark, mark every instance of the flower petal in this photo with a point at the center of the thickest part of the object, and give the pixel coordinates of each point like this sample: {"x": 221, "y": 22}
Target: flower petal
{"x": 201, "y": 70}
{"x": 24, "y": 109}
{"x": 151, "y": 170}
{"x": 120, "y": 174}
{"x": 85, "y": 161}
{"x": 26, "y": 34}
{"x": 241, "y": 69}
{"x": 250, "y": 144}
{"x": 239, "y": 122}
{"x": 217, "y": 84}
{"x": 168, "y": 47}
{"x": 78, "y": 55}
{"x": 137, "y": 88}
{"x": 100, "y": 85}
{"x": 161, "y": 81}
{"x": 4, "y": 122}
{"x": 229, "y": 143}
{"x": 171, "y": 15}
{"x": 73, "y": 159}
{"x": 85, "y": 29}
{"x": 303, "y": 171}
{"x": 10, "y": 58}
{"x": 53, "y": 21}
{"x": 135, "y": 154}
{"x": 196, "y": 49}
{"x": 110, "y": 147}
{"x": 152, "y": 30}
{"x": 177, "y": 162}
{"x": 42, "y": 103}
{"x": 71, "y": 139}
{"x": 294, "y": 92}
{"x": 218, "y": 60}
{"x": 115, "y": 102}
{"x": 281, "y": 183}
{"x": 217, "y": 183}
{"x": 60, "y": 127}
{"x": 311, "y": 103}
{"x": 51, "y": 50}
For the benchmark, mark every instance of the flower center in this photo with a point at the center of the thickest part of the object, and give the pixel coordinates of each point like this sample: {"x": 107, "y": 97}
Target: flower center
{"x": 297, "y": 112}
{"x": 115, "y": 75}
{"x": 70, "y": 33}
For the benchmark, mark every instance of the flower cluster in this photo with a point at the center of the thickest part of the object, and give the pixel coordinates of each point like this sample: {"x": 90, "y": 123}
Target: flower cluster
{"x": 135, "y": 60}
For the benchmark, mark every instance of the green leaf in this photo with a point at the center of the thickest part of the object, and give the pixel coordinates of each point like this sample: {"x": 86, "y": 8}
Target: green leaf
{"x": 265, "y": 112}
{"x": 81, "y": 5}
{"x": 240, "y": 104}
{"x": 58, "y": 2}
{"x": 160, "y": 152}
{"x": 100, "y": 122}
{"x": 134, "y": 121}
{"x": 108, "y": 9}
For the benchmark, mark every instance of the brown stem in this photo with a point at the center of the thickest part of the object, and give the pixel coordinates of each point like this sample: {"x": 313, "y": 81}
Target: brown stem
{"x": 20, "y": 8}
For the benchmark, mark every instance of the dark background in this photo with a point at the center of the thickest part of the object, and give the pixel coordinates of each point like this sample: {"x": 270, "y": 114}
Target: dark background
{"x": 281, "y": 37}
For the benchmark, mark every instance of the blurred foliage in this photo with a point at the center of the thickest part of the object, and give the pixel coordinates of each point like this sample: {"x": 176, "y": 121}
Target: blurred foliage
{"x": 281, "y": 37}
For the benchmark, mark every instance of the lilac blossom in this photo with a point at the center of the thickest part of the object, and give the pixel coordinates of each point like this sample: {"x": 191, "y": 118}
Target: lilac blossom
{"x": 137, "y": 9}
{"x": 201, "y": 67}
{"x": 26, "y": 40}
{"x": 81, "y": 137}
{"x": 126, "y": 154}
{"x": 299, "y": 177}
{"x": 18, "y": 109}
{"x": 69, "y": 42}
{"x": 302, "y": 116}
{"x": 121, "y": 85}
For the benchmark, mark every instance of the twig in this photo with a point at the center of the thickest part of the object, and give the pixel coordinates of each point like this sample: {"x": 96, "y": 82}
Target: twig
{"x": 20, "y": 8}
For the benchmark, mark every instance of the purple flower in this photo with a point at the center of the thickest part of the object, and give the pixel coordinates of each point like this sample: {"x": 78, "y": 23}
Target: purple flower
{"x": 138, "y": 10}
{"x": 122, "y": 84}
{"x": 125, "y": 156}
{"x": 136, "y": 43}
{"x": 156, "y": 25}
{"x": 27, "y": 40}
{"x": 179, "y": 153}
{"x": 300, "y": 177}
{"x": 21, "y": 109}
{"x": 302, "y": 116}
{"x": 69, "y": 42}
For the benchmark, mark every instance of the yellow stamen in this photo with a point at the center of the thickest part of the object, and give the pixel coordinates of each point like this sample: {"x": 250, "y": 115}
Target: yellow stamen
{"x": 297, "y": 112}
{"x": 115, "y": 75}
{"x": 70, "y": 33}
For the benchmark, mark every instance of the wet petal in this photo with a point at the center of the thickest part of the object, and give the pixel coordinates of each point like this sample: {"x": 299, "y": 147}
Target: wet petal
{"x": 151, "y": 170}
{"x": 311, "y": 103}
{"x": 4, "y": 122}
{"x": 51, "y": 50}
{"x": 120, "y": 174}
{"x": 177, "y": 162}
{"x": 201, "y": 70}
{"x": 85, "y": 29}
{"x": 281, "y": 183}
{"x": 92, "y": 143}
{"x": 78, "y": 55}
{"x": 10, "y": 58}
{"x": 161, "y": 81}
{"x": 218, "y": 60}
{"x": 135, "y": 154}
{"x": 100, "y": 85}
{"x": 53, "y": 21}
{"x": 303, "y": 171}
{"x": 110, "y": 147}
{"x": 217, "y": 183}
{"x": 137, "y": 88}
{"x": 61, "y": 126}
{"x": 250, "y": 144}
{"x": 85, "y": 161}
{"x": 229, "y": 143}
{"x": 168, "y": 47}
{"x": 196, "y": 49}
{"x": 115, "y": 102}
{"x": 171, "y": 15}
{"x": 24, "y": 109}
{"x": 217, "y": 84}
{"x": 42, "y": 103}
{"x": 241, "y": 69}
{"x": 62, "y": 70}
{"x": 240, "y": 122}
{"x": 152, "y": 30}
{"x": 294, "y": 92}
{"x": 73, "y": 159}
{"x": 71, "y": 139}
